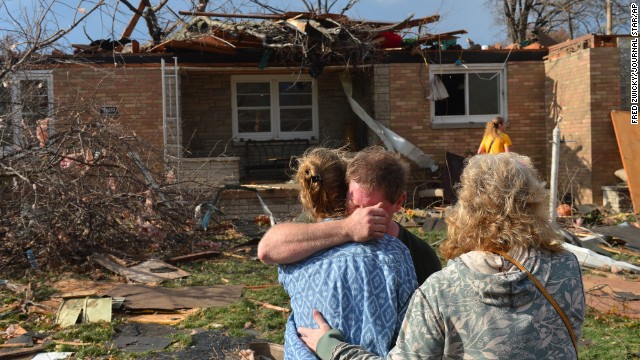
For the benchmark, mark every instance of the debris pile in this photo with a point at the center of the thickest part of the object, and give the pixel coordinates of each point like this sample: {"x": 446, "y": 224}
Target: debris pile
{"x": 85, "y": 190}
{"x": 306, "y": 38}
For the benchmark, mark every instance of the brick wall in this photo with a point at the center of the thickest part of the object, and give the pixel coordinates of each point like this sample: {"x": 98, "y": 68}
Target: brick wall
{"x": 136, "y": 91}
{"x": 527, "y": 111}
{"x": 206, "y": 115}
{"x": 400, "y": 92}
{"x": 605, "y": 96}
{"x": 207, "y": 172}
{"x": 584, "y": 87}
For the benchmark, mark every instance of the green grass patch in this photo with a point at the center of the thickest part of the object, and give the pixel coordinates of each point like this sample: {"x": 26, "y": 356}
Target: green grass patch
{"x": 609, "y": 337}
{"x": 247, "y": 315}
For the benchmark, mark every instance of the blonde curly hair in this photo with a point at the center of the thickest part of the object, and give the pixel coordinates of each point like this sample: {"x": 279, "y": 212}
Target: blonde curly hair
{"x": 502, "y": 204}
{"x": 321, "y": 178}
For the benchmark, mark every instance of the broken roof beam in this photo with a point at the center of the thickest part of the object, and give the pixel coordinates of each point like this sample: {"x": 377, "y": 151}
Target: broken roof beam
{"x": 287, "y": 15}
{"x": 134, "y": 21}
{"x": 197, "y": 45}
{"x": 405, "y": 24}
{"x": 245, "y": 16}
{"x": 440, "y": 37}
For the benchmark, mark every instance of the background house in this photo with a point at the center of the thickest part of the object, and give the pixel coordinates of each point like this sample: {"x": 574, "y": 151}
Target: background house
{"x": 203, "y": 106}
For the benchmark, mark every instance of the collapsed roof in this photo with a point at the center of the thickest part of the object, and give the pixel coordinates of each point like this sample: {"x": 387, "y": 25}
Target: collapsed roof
{"x": 306, "y": 38}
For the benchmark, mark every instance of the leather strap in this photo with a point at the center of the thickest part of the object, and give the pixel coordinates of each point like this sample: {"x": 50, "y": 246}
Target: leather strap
{"x": 491, "y": 145}
{"x": 546, "y": 294}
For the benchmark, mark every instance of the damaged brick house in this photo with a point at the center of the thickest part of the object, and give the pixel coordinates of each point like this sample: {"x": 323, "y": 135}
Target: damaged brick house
{"x": 213, "y": 100}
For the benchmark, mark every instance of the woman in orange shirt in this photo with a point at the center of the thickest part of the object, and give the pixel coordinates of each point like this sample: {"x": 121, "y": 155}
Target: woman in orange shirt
{"x": 495, "y": 140}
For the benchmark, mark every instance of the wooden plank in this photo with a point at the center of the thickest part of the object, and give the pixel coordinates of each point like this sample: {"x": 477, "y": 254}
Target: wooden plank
{"x": 628, "y": 136}
{"x": 147, "y": 272}
{"x": 15, "y": 354}
{"x": 441, "y": 37}
{"x": 134, "y": 21}
{"x": 194, "y": 257}
{"x": 405, "y": 24}
{"x": 190, "y": 45}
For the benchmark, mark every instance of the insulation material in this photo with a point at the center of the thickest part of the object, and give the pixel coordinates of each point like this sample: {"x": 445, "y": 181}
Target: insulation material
{"x": 592, "y": 260}
{"x": 391, "y": 140}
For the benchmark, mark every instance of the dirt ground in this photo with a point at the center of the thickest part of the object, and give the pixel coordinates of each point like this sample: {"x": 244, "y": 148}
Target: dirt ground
{"x": 613, "y": 294}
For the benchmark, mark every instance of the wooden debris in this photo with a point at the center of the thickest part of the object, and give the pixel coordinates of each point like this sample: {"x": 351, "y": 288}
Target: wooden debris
{"x": 619, "y": 250}
{"x": 151, "y": 271}
{"x": 71, "y": 343}
{"x": 78, "y": 294}
{"x": 163, "y": 318}
{"x": 13, "y": 287}
{"x": 269, "y": 306}
{"x": 261, "y": 287}
{"x": 629, "y": 146}
{"x": 235, "y": 256}
{"x": 194, "y": 257}
{"x": 17, "y": 353}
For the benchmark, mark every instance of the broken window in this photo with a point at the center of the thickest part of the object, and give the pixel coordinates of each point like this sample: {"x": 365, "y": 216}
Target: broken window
{"x": 476, "y": 93}
{"x": 274, "y": 107}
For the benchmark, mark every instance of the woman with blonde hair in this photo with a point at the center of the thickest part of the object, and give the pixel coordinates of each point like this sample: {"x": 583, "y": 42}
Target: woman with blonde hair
{"x": 495, "y": 140}
{"x": 362, "y": 288}
{"x": 490, "y": 301}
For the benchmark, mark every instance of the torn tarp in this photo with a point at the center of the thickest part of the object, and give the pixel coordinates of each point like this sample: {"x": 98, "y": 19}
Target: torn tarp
{"x": 392, "y": 141}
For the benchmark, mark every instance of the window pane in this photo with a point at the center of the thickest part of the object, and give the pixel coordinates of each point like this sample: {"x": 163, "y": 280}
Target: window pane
{"x": 253, "y": 94}
{"x": 253, "y": 100}
{"x": 296, "y": 120}
{"x": 484, "y": 94}
{"x": 454, "y": 104}
{"x": 295, "y": 94}
{"x": 295, "y": 100}
{"x": 253, "y": 121}
{"x": 252, "y": 88}
{"x": 298, "y": 87}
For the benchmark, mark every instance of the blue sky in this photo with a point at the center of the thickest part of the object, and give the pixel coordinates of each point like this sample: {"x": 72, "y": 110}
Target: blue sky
{"x": 470, "y": 15}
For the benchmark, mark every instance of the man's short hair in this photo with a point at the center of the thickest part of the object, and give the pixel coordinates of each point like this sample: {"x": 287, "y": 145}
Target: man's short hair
{"x": 375, "y": 168}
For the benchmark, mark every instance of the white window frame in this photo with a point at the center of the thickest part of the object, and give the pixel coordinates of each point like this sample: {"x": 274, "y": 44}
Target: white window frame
{"x": 275, "y": 133}
{"x": 459, "y": 120}
{"x": 16, "y": 108}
